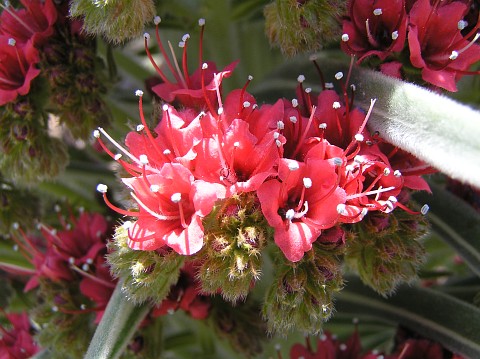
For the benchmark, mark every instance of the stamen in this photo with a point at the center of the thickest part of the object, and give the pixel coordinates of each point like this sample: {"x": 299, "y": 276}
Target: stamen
{"x": 377, "y": 12}
{"x": 177, "y": 66}
{"x": 151, "y": 212}
{"x": 345, "y": 37}
{"x": 339, "y": 75}
{"x": 376, "y": 192}
{"x": 395, "y": 35}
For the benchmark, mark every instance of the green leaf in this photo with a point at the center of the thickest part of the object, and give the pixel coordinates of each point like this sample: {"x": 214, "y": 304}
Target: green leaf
{"x": 457, "y": 223}
{"x": 14, "y": 261}
{"x": 436, "y": 129}
{"x": 119, "y": 322}
{"x": 433, "y": 314}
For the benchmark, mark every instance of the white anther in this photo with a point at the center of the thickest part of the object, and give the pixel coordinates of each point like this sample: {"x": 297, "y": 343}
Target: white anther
{"x": 462, "y": 24}
{"x": 127, "y": 224}
{"x": 397, "y": 173}
{"x": 83, "y": 306}
{"x": 220, "y": 110}
{"x": 278, "y": 143}
{"x": 246, "y": 104}
{"x": 280, "y": 125}
{"x": 386, "y": 171}
{"x": 140, "y": 127}
{"x": 90, "y": 260}
{"x": 395, "y": 35}
{"x": 96, "y": 134}
{"x": 359, "y": 137}
{"x": 185, "y": 37}
{"x": 85, "y": 267}
{"x": 342, "y": 209}
{"x": 102, "y": 188}
{"x": 154, "y": 188}
{"x": 176, "y": 197}
{"x": 339, "y": 75}
{"x": 393, "y": 199}
{"x": 250, "y": 77}
{"x": 54, "y": 308}
{"x": 57, "y": 208}
{"x": 15, "y": 247}
{"x": 15, "y": 225}
{"x": 290, "y": 215}
{"x": 181, "y": 44}
{"x": 336, "y": 105}
{"x": 167, "y": 152}
{"x": 12, "y": 42}
{"x": 143, "y": 159}
{"x": 139, "y": 93}
{"x": 293, "y": 166}
{"x": 308, "y": 90}
{"x": 71, "y": 260}
{"x": 157, "y": 20}
{"x": 342, "y": 347}
{"x": 68, "y": 226}
{"x": 278, "y": 347}
{"x": 337, "y": 161}
{"x": 165, "y": 107}
{"x": 294, "y": 102}
{"x": 236, "y": 144}
{"x": 377, "y": 12}
{"x": 353, "y": 87}
{"x": 276, "y": 135}
{"x": 293, "y": 119}
{"x": 425, "y": 209}
{"x": 453, "y": 55}
{"x": 358, "y": 159}
{"x": 254, "y": 106}
{"x": 322, "y": 126}
{"x": 390, "y": 207}
{"x": 329, "y": 85}
{"x": 345, "y": 37}
{"x": 204, "y": 66}
{"x": 146, "y": 36}
{"x": 307, "y": 182}
{"x": 300, "y": 78}
{"x": 323, "y": 337}
{"x": 201, "y": 22}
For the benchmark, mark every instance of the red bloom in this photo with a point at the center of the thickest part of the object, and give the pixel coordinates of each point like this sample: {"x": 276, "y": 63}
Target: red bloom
{"x": 437, "y": 45}
{"x": 18, "y": 342}
{"x": 171, "y": 207}
{"x": 301, "y": 203}
{"x": 374, "y": 28}
{"x": 17, "y": 68}
{"x": 34, "y": 22}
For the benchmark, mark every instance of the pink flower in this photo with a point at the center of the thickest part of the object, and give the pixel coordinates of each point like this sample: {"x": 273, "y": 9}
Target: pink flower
{"x": 18, "y": 342}
{"x": 374, "y": 28}
{"x": 171, "y": 207}
{"x": 17, "y": 68}
{"x": 34, "y": 22}
{"x": 300, "y": 203}
{"x": 437, "y": 45}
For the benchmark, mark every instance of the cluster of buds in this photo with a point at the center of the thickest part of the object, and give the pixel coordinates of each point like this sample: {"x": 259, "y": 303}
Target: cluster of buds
{"x": 434, "y": 39}
{"x": 48, "y": 69}
{"x": 221, "y": 177}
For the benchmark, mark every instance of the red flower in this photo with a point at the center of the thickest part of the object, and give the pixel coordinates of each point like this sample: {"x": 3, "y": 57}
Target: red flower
{"x": 300, "y": 203}
{"x": 34, "y": 22}
{"x": 374, "y": 28}
{"x": 17, "y": 68}
{"x": 18, "y": 342}
{"x": 171, "y": 207}
{"x": 437, "y": 45}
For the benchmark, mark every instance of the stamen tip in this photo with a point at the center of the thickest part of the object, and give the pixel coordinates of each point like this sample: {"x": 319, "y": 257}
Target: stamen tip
{"x": 157, "y": 20}
{"x": 425, "y": 209}
{"x": 96, "y": 134}
{"x": 339, "y": 75}
{"x": 139, "y": 93}
{"x": 146, "y": 36}
{"x": 102, "y": 188}
{"x": 201, "y": 22}
{"x": 300, "y": 78}
{"x": 345, "y": 37}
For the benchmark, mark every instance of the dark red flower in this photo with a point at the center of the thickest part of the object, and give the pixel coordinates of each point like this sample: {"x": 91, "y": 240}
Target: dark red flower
{"x": 374, "y": 28}
{"x": 32, "y": 23}
{"x": 17, "y": 68}
{"x": 17, "y": 342}
{"x": 437, "y": 45}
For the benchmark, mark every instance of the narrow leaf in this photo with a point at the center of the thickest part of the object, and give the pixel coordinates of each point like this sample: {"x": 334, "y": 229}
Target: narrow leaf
{"x": 457, "y": 223}
{"x": 120, "y": 321}
{"x": 430, "y": 313}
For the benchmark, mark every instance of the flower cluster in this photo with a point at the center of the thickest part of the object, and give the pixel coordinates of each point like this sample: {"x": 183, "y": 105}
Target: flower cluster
{"x": 17, "y": 341}
{"x": 221, "y": 175}
{"x": 437, "y": 38}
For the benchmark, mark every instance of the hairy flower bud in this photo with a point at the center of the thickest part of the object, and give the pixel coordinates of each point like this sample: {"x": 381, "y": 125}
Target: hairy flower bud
{"x": 386, "y": 251}
{"x": 147, "y": 275}
{"x": 235, "y": 234}
{"x": 300, "y": 296}
{"x": 303, "y": 26}
{"x": 117, "y": 20}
